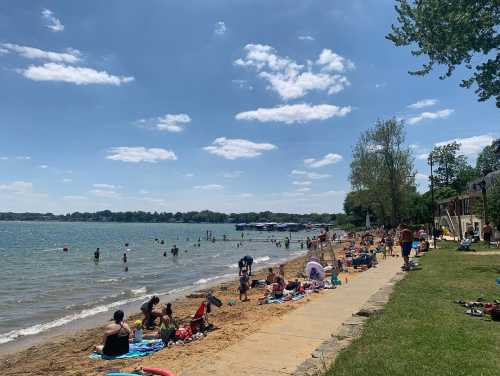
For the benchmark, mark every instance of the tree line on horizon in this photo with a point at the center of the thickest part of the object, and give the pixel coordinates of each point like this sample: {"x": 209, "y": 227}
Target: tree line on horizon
{"x": 205, "y": 216}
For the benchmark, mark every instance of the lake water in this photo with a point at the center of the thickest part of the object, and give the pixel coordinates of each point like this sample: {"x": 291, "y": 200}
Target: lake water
{"x": 42, "y": 287}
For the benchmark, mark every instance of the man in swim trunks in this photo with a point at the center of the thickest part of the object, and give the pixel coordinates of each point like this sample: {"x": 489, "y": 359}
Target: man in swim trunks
{"x": 248, "y": 261}
{"x": 406, "y": 240}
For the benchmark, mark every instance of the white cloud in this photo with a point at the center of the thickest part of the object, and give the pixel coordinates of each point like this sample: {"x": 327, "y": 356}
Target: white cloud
{"x": 332, "y": 62}
{"x": 105, "y": 193}
{"x": 105, "y": 186}
{"x": 209, "y": 187}
{"x": 220, "y": 28}
{"x": 51, "y": 21}
{"x": 4, "y": 158}
{"x": 443, "y": 114}
{"x": 71, "y": 74}
{"x": 305, "y": 182}
{"x": 380, "y": 85}
{"x": 189, "y": 175}
{"x": 70, "y": 56}
{"x": 423, "y": 103}
{"x": 328, "y": 159}
{"x": 232, "y": 174}
{"x": 173, "y": 122}
{"x": 66, "y": 180}
{"x": 143, "y": 191}
{"x": 309, "y": 175}
{"x": 17, "y": 186}
{"x": 140, "y": 154}
{"x": 44, "y": 166}
{"x": 423, "y": 156}
{"x": 291, "y": 80}
{"x": 246, "y": 195}
{"x": 304, "y": 189}
{"x": 331, "y": 193}
{"x": 296, "y": 113}
{"x": 471, "y": 146}
{"x": 237, "y": 148}
{"x": 305, "y": 37}
{"x": 23, "y": 158}
{"x": 421, "y": 177}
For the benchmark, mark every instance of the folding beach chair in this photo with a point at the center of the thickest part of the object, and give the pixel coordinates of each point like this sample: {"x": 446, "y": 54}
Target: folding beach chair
{"x": 200, "y": 319}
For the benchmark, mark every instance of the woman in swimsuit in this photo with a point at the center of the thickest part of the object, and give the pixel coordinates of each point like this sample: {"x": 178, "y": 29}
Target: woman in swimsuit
{"x": 116, "y": 337}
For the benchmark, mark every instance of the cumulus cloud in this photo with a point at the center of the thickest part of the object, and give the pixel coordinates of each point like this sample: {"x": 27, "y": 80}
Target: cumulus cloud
{"x": 328, "y": 159}
{"x": 471, "y": 146}
{"x": 422, "y": 156}
{"x": 423, "y": 103}
{"x": 220, "y": 28}
{"x": 140, "y": 154}
{"x": 443, "y": 114}
{"x": 51, "y": 21}
{"x": 309, "y": 175}
{"x": 72, "y": 74}
{"x": 296, "y": 113}
{"x": 209, "y": 187}
{"x": 237, "y": 148}
{"x": 305, "y": 37}
{"x": 17, "y": 186}
{"x": 169, "y": 122}
{"x": 291, "y": 80}
{"x": 332, "y": 62}
{"x": 70, "y": 56}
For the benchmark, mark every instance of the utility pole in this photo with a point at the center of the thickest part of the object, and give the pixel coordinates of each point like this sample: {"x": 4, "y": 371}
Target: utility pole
{"x": 432, "y": 204}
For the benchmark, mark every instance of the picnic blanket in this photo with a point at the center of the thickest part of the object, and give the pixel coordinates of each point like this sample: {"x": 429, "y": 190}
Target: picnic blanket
{"x": 271, "y": 300}
{"x": 144, "y": 348}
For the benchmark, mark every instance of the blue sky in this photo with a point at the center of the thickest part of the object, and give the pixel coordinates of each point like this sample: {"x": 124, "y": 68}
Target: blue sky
{"x": 223, "y": 105}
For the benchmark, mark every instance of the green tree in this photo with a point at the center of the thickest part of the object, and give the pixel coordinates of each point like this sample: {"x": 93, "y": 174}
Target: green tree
{"x": 493, "y": 196}
{"x": 486, "y": 161}
{"x": 453, "y": 33}
{"x": 451, "y": 169}
{"x": 383, "y": 167}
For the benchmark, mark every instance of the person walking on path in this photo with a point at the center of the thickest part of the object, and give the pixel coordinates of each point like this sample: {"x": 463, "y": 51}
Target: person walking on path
{"x": 406, "y": 240}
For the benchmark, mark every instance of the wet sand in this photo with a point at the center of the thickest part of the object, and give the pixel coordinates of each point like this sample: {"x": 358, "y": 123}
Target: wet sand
{"x": 68, "y": 355}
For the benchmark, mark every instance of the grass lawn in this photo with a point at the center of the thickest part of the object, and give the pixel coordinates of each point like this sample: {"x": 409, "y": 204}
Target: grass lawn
{"x": 422, "y": 332}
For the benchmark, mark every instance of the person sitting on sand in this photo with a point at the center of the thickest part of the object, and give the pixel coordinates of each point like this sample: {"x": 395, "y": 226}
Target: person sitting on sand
{"x": 277, "y": 288}
{"x": 147, "y": 310}
{"x": 244, "y": 286}
{"x": 116, "y": 337}
{"x": 271, "y": 277}
{"x": 137, "y": 337}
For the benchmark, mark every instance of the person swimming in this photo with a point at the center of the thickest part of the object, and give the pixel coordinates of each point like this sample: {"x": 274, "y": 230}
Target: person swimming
{"x": 174, "y": 251}
{"x": 97, "y": 254}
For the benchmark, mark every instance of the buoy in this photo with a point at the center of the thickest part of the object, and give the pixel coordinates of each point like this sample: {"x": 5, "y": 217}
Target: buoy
{"x": 158, "y": 371}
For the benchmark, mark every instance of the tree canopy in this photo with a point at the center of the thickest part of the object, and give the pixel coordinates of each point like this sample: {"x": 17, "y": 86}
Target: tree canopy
{"x": 454, "y": 33}
{"x": 486, "y": 161}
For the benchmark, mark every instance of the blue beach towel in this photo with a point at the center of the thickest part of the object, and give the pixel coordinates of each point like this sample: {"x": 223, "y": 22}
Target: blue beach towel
{"x": 136, "y": 350}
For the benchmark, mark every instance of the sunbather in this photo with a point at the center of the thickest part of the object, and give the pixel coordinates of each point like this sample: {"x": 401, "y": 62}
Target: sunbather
{"x": 116, "y": 337}
{"x": 277, "y": 288}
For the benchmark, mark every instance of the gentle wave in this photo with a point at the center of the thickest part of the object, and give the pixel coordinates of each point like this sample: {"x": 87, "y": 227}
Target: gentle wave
{"x": 257, "y": 260}
{"x": 203, "y": 281}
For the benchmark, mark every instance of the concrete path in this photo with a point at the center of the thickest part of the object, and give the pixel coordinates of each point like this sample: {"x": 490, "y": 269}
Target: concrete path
{"x": 282, "y": 345}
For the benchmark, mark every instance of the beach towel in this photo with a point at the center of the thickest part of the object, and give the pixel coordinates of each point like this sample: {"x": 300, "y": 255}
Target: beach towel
{"x": 295, "y": 297}
{"x": 136, "y": 350}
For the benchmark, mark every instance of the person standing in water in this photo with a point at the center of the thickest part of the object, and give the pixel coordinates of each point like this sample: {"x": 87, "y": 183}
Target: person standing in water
{"x": 248, "y": 261}
{"x": 174, "y": 251}
{"x": 97, "y": 254}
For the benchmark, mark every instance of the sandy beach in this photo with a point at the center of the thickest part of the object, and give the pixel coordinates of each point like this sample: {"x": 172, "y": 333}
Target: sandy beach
{"x": 69, "y": 354}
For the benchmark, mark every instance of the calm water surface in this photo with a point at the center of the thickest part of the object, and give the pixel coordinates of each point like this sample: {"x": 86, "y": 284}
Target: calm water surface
{"x": 43, "y": 287}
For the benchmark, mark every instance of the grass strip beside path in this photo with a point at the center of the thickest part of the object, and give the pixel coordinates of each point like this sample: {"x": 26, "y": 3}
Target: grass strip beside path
{"x": 422, "y": 332}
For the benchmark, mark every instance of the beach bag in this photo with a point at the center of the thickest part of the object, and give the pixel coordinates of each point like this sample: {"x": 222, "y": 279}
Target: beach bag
{"x": 214, "y": 300}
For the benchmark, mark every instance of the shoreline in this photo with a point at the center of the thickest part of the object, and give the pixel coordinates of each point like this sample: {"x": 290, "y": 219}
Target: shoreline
{"x": 97, "y": 319}
{"x": 69, "y": 352}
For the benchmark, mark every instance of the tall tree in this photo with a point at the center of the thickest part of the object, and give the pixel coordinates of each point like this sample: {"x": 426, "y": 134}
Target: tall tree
{"x": 383, "y": 167}
{"x": 451, "y": 168}
{"x": 454, "y": 33}
{"x": 487, "y": 161}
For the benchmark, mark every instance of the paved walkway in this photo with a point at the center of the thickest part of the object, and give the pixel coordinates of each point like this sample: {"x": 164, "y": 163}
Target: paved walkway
{"x": 280, "y": 347}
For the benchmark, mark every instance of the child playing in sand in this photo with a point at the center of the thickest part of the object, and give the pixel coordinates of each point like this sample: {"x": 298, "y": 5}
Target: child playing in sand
{"x": 137, "y": 331}
{"x": 244, "y": 279}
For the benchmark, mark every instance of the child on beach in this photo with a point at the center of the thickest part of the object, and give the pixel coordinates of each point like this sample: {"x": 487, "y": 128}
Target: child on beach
{"x": 271, "y": 277}
{"x": 138, "y": 331}
{"x": 244, "y": 279}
